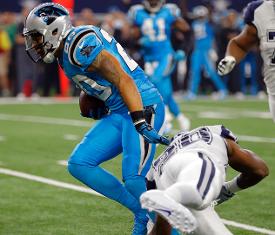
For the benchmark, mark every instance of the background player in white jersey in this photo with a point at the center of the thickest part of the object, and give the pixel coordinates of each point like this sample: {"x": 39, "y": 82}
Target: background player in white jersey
{"x": 259, "y": 17}
{"x": 190, "y": 174}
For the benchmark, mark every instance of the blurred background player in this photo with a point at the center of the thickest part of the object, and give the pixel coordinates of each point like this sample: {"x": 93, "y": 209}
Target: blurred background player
{"x": 154, "y": 21}
{"x": 5, "y": 54}
{"x": 98, "y": 65}
{"x": 191, "y": 173}
{"x": 203, "y": 55}
{"x": 259, "y": 29}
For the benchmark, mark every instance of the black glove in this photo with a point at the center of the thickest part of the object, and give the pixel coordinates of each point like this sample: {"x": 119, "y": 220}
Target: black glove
{"x": 224, "y": 195}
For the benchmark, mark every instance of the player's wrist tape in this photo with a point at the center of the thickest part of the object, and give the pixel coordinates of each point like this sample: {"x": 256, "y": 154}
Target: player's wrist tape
{"x": 138, "y": 117}
{"x": 232, "y": 185}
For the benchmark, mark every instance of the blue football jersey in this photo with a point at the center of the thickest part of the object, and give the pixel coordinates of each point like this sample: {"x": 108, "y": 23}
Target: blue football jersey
{"x": 82, "y": 46}
{"x": 204, "y": 34}
{"x": 155, "y": 28}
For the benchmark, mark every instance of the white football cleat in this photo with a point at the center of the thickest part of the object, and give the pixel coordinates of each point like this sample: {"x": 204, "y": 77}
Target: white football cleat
{"x": 176, "y": 214}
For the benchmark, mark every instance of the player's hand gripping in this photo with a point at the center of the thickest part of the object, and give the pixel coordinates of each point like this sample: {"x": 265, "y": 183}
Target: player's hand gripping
{"x": 224, "y": 195}
{"x": 226, "y": 65}
{"x": 146, "y": 130}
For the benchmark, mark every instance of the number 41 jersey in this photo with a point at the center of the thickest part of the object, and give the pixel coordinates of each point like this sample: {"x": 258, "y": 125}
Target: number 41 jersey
{"x": 155, "y": 28}
{"x": 82, "y": 46}
{"x": 261, "y": 14}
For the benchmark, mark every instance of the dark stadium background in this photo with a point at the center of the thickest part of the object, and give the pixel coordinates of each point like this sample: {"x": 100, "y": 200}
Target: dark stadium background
{"x": 103, "y": 6}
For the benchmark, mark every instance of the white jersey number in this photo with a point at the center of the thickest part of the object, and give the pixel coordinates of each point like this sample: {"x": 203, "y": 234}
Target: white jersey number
{"x": 87, "y": 84}
{"x": 128, "y": 60}
{"x": 154, "y": 34}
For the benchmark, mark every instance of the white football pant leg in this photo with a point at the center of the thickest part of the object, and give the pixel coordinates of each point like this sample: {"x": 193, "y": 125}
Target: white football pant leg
{"x": 271, "y": 101}
{"x": 209, "y": 223}
{"x": 191, "y": 180}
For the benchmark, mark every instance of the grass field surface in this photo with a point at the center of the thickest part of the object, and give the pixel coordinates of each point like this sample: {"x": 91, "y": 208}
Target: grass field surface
{"x": 34, "y": 137}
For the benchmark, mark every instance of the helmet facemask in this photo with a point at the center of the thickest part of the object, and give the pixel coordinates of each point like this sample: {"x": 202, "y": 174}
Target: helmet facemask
{"x": 153, "y": 6}
{"x": 36, "y": 46}
{"x": 45, "y": 28}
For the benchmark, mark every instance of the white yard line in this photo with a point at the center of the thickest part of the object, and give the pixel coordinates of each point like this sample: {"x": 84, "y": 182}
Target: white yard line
{"x": 71, "y": 122}
{"x": 48, "y": 181}
{"x": 248, "y": 227}
{"x": 87, "y": 190}
{"x": 228, "y": 114}
{"x": 44, "y": 120}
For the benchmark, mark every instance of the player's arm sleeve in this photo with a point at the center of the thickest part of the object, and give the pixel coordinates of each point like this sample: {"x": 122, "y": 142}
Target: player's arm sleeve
{"x": 249, "y": 13}
{"x": 132, "y": 15}
{"x": 174, "y": 11}
{"x": 85, "y": 49}
{"x": 223, "y": 132}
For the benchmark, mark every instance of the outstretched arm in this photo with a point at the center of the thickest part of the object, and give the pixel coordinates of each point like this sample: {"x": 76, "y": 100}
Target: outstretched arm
{"x": 237, "y": 49}
{"x": 251, "y": 167}
{"x": 240, "y": 45}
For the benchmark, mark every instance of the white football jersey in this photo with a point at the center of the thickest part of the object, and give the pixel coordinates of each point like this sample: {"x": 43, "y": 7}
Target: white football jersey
{"x": 208, "y": 140}
{"x": 262, "y": 15}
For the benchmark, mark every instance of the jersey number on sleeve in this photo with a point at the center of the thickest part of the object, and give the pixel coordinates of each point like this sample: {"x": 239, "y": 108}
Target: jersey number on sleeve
{"x": 91, "y": 87}
{"x": 129, "y": 61}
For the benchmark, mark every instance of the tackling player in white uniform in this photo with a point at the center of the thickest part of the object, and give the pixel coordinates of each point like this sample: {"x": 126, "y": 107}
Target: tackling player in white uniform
{"x": 260, "y": 28}
{"x": 190, "y": 174}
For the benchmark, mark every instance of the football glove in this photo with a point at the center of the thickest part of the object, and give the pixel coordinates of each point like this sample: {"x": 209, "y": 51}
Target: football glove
{"x": 224, "y": 195}
{"x": 97, "y": 113}
{"x": 226, "y": 65}
{"x": 146, "y": 130}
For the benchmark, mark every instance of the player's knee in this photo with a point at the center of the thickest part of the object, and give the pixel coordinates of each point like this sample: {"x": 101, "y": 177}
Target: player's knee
{"x": 72, "y": 169}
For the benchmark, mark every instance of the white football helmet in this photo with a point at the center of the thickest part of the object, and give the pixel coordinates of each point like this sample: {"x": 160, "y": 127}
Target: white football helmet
{"x": 153, "y": 6}
{"x": 45, "y": 27}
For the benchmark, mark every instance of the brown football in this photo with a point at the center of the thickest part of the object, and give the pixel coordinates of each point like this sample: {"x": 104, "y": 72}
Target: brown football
{"x": 88, "y": 103}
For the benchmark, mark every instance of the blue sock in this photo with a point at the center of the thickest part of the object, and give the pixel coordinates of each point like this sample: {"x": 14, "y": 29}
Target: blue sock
{"x": 105, "y": 183}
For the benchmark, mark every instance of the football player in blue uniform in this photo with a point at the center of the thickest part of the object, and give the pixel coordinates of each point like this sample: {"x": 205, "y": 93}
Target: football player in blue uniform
{"x": 200, "y": 59}
{"x": 153, "y": 21}
{"x": 98, "y": 65}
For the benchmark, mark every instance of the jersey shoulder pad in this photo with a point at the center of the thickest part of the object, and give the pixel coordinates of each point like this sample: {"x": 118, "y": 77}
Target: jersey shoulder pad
{"x": 173, "y": 9}
{"x": 84, "y": 48}
{"x": 250, "y": 10}
{"x": 227, "y": 134}
{"x": 133, "y": 12}
{"x": 222, "y": 131}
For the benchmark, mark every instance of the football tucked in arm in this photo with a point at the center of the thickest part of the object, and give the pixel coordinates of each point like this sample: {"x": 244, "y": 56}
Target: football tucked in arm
{"x": 92, "y": 107}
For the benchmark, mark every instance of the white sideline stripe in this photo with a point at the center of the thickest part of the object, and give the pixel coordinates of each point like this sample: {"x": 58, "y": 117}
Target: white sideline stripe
{"x": 48, "y": 181}
{"x": 248, "y": 227}
{"x": 233, "y": 115}
{"x": 45, "y": 120}
{"x": 256, "y": 139}
{"x": 70, "y": 122}
{"x": 86, "y": 190}
{"x": 62, "y": 162}
{"x": 247, "y": 138}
